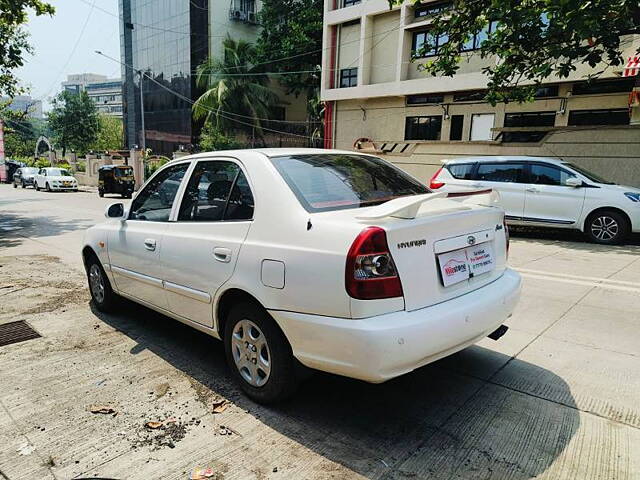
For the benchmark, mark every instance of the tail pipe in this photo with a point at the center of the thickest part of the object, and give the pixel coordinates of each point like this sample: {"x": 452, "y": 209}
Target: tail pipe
{"x": 498, "y": 332}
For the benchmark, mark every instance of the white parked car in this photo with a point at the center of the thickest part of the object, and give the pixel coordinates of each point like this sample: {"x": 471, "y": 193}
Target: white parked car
{"x": 52, "y": 178}
{"x": 337, "y": 261}
{"x": 545, "y": 192}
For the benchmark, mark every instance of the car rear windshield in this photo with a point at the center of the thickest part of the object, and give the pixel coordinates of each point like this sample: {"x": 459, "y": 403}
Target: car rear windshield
{"x": 324, "y": 182}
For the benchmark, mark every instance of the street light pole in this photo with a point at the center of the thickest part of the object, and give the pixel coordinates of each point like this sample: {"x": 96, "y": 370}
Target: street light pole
{"x": 143, "y": 138}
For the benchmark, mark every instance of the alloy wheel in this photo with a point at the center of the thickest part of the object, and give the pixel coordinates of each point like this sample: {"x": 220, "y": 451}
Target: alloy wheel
{"x": 605, "y": 228}
{"x": 96, "y": 283}
{"x": 251, "y": 353}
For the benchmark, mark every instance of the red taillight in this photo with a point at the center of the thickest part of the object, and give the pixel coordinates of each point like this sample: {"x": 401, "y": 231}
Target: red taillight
{"x": 370, "y": 272}
{"x": 506, "y": 233}
{"x": 434, "y": 183}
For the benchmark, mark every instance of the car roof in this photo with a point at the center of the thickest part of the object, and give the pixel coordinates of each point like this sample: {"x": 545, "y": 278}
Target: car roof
{"x": 502, "y": 158}
{"x": 268, "y": 152}
{"x": 108, "y": 167}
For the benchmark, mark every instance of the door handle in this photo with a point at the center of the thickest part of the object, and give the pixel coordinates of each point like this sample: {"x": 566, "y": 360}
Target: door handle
{"x": 532, "y": 190}
{"x": 150, "y": 244}
{"x": 477, "y": 185}
{"x": 222, "y": 254}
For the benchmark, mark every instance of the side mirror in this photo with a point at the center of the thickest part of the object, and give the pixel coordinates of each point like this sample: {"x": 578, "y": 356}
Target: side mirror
{"x": 115, "y": 210}
{"x": 574, "y": 182}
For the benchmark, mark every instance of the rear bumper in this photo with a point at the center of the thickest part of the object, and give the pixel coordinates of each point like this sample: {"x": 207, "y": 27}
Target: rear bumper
{"x": 379, "y": 348}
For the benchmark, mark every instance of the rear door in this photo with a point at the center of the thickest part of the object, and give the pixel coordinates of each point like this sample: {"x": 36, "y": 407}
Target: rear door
{"x": 135, "y": 245}
{"x": 201, "y": 247}
{"x": 507, "y": 178}
{"x": 548, "y": 200}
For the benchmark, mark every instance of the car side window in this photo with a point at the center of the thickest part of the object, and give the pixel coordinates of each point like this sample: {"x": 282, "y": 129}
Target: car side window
{"x": 461, "y": 171}
{"x": 154, "y": 202}
{"x": 500, "y": 172}
{"x": 240, "y": 205}
{"x": 548, "y": 175}
{"x": 217, "y": 190}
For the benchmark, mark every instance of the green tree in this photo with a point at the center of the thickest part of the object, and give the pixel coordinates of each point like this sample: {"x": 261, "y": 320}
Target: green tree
{"x": 236, "y": 91}
{"x": 110, "y": 131}
{"x": 212, "y": 139}
{"x": 292, "y": 29}
{"x": 74, "y": 121}
{"x": 14, "y": 40}
{"x": 530, "y": 41}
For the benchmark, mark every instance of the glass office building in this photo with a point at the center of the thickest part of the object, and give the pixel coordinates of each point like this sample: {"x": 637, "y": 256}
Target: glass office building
{"x": 166, "y": 40}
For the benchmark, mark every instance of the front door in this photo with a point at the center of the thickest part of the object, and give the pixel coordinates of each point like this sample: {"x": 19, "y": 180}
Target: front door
{"x": 134, "y": 247}
{"x": 507, "y": 179}
{"x": 200, "y": 249}
{"x": 548, "y": 200}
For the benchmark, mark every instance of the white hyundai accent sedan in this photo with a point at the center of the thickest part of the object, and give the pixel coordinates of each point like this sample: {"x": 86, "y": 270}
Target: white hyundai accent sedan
{"x": 327, "y": 259}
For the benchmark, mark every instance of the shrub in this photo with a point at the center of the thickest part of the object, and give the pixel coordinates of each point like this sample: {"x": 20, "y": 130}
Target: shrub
{"x": 212, "y": 139}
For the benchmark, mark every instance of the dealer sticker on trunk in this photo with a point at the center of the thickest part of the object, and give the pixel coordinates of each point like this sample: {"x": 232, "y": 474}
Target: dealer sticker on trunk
{"x": 459, "y": 265}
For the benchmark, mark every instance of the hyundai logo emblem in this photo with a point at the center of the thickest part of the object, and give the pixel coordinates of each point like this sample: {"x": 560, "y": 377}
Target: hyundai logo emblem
{"x": 471, "y": 240}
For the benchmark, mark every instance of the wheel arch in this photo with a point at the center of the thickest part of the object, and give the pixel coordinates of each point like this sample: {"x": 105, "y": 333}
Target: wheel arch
{"x": 225, "y": 303}
{"x": 87, "y": 253}
{"x": 603, "y": 209}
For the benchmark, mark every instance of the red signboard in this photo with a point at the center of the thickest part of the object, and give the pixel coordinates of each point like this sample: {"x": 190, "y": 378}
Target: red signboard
{"x": 632, "y": 67}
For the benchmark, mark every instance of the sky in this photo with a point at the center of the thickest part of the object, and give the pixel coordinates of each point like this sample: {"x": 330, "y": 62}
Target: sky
{"x": 61, "y": 46}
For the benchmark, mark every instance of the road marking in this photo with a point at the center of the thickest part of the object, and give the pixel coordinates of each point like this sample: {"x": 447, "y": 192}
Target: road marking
{"x": 577, "y": 277}
{"x": 586, "y": 281}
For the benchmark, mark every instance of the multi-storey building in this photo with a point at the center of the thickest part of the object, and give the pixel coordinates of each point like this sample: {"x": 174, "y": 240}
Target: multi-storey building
{"x": 24, "y": 103}
{"x": 105, "y": 92}
{"x": 167, "y": 40}
{"x": 378, "y": 99}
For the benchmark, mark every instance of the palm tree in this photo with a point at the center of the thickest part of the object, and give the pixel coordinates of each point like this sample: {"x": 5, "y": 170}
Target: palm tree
{"x": 237, "y": 93}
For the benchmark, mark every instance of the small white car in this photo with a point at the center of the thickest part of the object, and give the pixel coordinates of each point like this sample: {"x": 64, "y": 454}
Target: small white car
{"x": 332, "y": 260}
{"x": 545, "y": 192}
{"x": 52, "y": 178}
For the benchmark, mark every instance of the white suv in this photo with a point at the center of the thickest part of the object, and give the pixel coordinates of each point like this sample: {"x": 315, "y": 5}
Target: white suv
{"x": 545, "y": 192}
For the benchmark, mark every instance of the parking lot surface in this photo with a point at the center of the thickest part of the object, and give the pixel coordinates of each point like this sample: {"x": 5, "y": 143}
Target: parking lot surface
{"x": 557, "y": 397}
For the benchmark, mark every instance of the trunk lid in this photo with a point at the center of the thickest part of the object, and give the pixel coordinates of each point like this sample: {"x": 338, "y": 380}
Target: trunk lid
{"x": 424, "y": 246}
{"x": 439, "y": 227}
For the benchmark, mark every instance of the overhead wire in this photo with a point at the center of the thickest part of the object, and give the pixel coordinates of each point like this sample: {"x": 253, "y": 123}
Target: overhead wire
{"x": 222, "y": 113}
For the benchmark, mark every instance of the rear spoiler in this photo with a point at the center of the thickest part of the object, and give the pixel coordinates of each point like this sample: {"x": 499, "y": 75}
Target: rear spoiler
{"x": 407, "y": 207}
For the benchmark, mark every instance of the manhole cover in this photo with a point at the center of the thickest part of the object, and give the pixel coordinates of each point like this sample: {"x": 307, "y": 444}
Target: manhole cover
{"x": 15, "y": 332}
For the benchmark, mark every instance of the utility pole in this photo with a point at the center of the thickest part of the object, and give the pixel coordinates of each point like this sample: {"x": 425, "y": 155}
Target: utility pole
{"x": 143, "y": 138}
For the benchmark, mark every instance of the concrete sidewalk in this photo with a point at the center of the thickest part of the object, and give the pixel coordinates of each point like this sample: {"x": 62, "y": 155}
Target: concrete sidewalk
{"x": 556, "y": 397}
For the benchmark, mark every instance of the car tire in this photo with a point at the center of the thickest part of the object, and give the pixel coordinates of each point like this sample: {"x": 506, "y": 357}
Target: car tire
{"x": 102, "y": 294}
{"x": 251, "y": 336}
{"x": 37, "y": 187}
{"x": 606, "y": 227}
{"x": 24, "y": 185}
{"x": 15, "y": 185}
{"x": 47, "y": 187}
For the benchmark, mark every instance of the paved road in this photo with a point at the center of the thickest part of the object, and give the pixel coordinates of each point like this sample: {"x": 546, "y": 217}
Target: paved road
{"x": 556, "y": 397}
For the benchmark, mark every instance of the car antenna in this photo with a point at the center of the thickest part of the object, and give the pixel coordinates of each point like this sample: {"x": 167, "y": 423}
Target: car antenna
{"x": 309, "y": 225}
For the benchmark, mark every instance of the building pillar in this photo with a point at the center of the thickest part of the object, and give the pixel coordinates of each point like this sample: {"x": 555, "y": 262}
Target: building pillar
{"x": 136, "y": 160}
{"x": 364, "y": 53}
{"x": 634, "y": 104}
